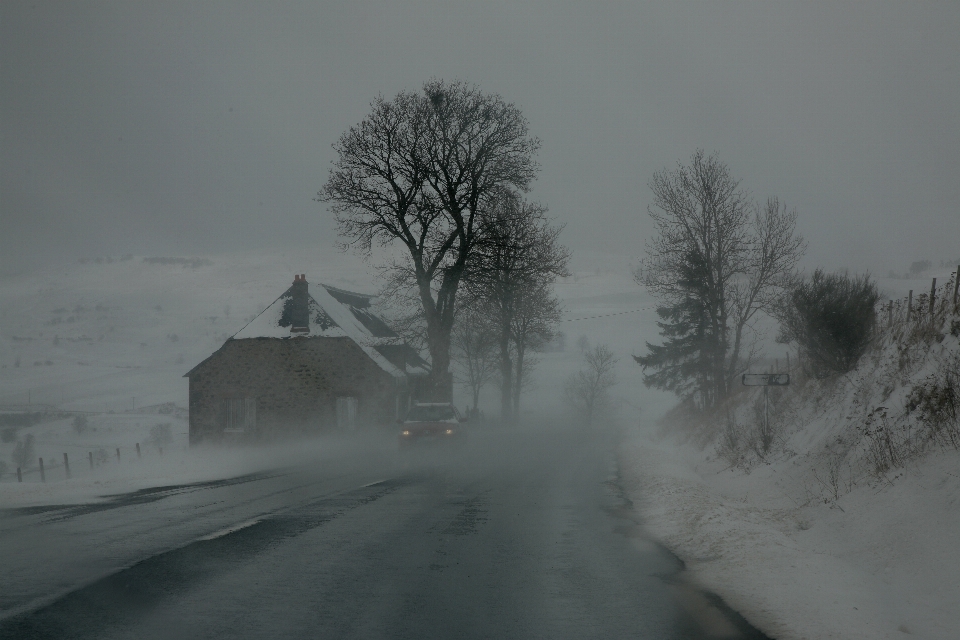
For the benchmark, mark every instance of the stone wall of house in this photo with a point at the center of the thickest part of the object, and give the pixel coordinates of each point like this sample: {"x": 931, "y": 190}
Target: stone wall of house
{"x": 296, "y": 383}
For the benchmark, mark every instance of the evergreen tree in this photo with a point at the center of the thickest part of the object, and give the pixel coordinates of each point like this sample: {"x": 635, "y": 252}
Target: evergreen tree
{"x": 683, "y": 364}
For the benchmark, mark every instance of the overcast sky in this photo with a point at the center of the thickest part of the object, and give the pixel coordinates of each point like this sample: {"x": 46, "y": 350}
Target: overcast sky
{"x": 200, "y": 127}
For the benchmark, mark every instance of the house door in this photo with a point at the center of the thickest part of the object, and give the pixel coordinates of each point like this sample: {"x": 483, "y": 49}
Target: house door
{"x": 346, "y": 413}
{"x": 238, "y": 414}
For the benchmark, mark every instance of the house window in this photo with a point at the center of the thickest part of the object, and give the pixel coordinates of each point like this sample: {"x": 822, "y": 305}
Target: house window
{"x": 346, "y": 413}
{"x": 238, "y": 414}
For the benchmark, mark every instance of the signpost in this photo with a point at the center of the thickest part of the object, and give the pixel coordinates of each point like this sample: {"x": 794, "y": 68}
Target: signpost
{"x": 765, "y": 380}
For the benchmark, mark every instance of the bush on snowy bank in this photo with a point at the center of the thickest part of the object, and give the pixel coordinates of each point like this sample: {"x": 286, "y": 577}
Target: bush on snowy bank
{"x": 831, "y": 319}
{"x": 900, "y": 401}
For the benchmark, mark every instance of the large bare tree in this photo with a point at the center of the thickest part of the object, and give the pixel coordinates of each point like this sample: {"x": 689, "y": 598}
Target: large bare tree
{"x": 474, "y": 349}
{"x": 534, "y": 324}
{"x": 420, "y": 171}
{"x": 718, "y": 259}
{"x": 518, "y": 258}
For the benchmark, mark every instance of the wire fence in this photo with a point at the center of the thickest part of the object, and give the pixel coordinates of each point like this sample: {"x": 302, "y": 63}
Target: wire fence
{"x": 64, "y": 466}
{"x": 926, "y": 310}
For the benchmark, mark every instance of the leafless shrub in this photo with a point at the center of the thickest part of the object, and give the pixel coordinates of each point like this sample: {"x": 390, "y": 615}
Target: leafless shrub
{"x": 731, "y": 442}
{"x": 935, "y": 403}
{"x": 832, "y": 482}
{"x": 588, "y": 390}
{"x": 887, "y": 447}
{"x": 763, "y": 435}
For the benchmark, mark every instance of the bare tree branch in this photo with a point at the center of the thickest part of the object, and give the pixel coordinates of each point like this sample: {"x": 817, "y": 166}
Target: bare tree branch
{"x": 717, "y": 256}
{"x": 421, "y": 170}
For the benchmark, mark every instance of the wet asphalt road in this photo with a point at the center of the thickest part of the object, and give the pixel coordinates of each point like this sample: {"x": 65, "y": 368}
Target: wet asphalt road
{"x": 515, "y": 536}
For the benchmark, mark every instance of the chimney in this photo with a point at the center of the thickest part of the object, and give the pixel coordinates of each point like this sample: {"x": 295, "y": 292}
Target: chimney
{"x": 300, "y": 311}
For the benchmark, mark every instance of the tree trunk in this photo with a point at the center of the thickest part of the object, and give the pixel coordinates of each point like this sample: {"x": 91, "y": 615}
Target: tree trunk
{"x": 438, "y": 343}
{"x": 506, "y": 376}
{"x": 518, "y": 381}
{"x": 439, "y": 318}
{"x": 476, "y": 399}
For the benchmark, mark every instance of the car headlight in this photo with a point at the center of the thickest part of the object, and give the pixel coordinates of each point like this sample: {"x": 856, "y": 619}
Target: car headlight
{"x": 406, "y": 433}
{"x": 449, "y": 431}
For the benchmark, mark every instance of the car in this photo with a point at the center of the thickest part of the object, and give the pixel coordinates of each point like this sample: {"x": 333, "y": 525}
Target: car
{"x": 433, "y": 422}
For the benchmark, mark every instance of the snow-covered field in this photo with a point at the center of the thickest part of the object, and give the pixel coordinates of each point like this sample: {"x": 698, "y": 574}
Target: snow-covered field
{"x": 114, "y": 338}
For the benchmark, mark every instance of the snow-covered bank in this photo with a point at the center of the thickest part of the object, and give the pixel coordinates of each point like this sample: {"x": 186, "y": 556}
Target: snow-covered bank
{"x": 880, "y": 562}
{"x": 844, "y": 522}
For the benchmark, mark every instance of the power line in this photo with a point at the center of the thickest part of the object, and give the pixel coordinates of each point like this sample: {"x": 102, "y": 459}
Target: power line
{"x": 607, "y": 315}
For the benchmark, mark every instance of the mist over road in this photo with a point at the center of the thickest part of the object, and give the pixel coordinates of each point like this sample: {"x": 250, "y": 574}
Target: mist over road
{"x": 519, "y": 535}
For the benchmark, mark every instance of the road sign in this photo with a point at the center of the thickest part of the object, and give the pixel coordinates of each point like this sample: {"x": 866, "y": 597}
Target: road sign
{"x": 765, "y": 379}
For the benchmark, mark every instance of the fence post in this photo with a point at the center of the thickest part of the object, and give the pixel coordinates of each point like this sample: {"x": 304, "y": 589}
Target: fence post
{"x": 138, "y": 451}
{"x": 66, "y": 465}
{"x": 19, "y": 475}
{"x": 956, "y": 284}
{"x": 43, "y": 477}
{"x": 909, "y": 305}
{"x": 933, "y": 295}
{"x": 90, "y": 455}
{"x": 118, "y": 454}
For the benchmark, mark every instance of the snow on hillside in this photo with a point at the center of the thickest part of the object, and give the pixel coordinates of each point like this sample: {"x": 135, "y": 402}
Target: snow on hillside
{"x": 112, "y": 338}
{"x": 847, "y": 526}
{"x": 103, "y": 336}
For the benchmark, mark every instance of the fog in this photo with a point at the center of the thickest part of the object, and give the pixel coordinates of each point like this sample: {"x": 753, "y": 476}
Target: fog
{"x": 190, "y": 129}
{"x": 159, "y": 170}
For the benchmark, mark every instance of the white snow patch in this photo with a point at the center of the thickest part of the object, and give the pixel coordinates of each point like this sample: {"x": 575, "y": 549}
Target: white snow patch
{"x": 882, "y": 562}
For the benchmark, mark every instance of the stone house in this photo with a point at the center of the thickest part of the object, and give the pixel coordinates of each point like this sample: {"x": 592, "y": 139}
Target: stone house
{"x": 316, "y": 360}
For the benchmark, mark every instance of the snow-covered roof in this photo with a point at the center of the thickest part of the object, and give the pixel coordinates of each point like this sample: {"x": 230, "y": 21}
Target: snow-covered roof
{"x": 337, "y": 313}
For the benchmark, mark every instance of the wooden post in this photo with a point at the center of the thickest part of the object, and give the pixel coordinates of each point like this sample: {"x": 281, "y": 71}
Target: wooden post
{"x": 19, "y": 475}
{"x": 138, "y": 450}
{"x": 956, "y": 285}
{"x": 43, "y": 476}
{"x": 66, "y": 465}
{"x": 933, "y": 295}
{"x": 118, "y": 454}
{"x": 909, "y": 305}
{"x": 90, "y": 455}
